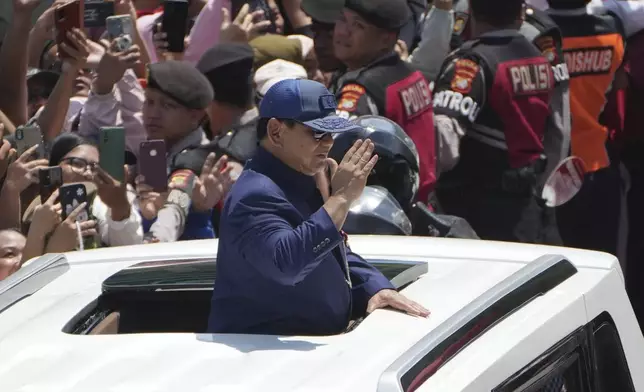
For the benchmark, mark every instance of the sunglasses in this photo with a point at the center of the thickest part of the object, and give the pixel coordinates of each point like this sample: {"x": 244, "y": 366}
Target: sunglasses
{"x": 317, "y": 135}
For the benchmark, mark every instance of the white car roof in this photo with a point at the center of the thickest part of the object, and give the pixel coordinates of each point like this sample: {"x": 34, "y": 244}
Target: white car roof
{"x": 38, "y": 356}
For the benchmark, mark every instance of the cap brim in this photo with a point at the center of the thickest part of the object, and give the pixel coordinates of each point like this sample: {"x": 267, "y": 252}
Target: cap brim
{"x": 331, "y": 124}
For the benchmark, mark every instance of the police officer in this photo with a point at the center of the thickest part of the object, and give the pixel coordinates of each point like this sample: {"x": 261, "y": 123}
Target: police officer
{"x": 176, "y": 99}
{"x": 543, "y": 32}
{"x": 492, "y": 104}
{"x": 233, "y": 115}
{"x": 283, "y": 267}
{"x": 378, "y": 82}
{"x": 594, "y": 49}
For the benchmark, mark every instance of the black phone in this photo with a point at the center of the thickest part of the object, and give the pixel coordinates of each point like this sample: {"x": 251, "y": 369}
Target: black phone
{"x": 71, "y": 196}
{"x": 96, "y": 12}
{"x": 49, "y": 180}
{"x": 174, "y": 23}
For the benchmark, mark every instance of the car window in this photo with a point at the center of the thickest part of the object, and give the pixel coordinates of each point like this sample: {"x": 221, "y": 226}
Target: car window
{"x": 612, "y": 371}
{"x": 562, "y": 368}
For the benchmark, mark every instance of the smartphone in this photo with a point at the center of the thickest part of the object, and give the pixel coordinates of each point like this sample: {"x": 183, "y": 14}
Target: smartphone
{"x": 174, "y": 23}
{"x": 111, "y": 148}
{"x": 71, "y": 196}
{"x": 28, "y": 136}
{"x": 50, "y": 179}
{"x": 121, "y": 29}
{"x": 152, "y": 164}
{"x": 96, "y": 12}
{"x": 67, "y": 17}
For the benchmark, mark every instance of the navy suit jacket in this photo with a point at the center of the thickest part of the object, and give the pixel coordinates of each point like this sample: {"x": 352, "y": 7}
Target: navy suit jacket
{"x": 282, "y": 263}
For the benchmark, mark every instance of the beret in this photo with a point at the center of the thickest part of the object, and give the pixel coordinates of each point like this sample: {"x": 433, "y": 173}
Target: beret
{"x": 229, "y": 69}
{"x": 323, "y": 11}
{"x": 181, "y": 82}
{"x": 271, "y": 47}
{"x": 385, "y": 14}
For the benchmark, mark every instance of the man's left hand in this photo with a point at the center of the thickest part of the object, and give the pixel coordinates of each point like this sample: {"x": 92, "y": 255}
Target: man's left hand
{"x": 393, "y": 299}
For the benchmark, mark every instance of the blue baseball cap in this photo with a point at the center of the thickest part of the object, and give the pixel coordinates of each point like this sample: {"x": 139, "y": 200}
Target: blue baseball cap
{"x": 305, "y": 101}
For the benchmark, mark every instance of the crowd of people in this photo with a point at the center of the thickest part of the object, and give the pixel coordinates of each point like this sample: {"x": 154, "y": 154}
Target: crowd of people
{"x": 468, "y": 107}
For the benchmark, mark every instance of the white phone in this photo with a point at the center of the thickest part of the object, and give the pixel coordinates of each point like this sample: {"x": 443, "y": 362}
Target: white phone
{"x": 121, "y": 29}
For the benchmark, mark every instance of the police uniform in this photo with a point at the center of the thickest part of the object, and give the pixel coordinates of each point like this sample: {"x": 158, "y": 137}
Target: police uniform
{"x": 229, "y": 68}
{"x": 177, "y": 220}
{"x": 391, "y": 88}
{"x": 594, "y": 48}
{"x": 543, "y": 32}
{"x": 495, "y": 92}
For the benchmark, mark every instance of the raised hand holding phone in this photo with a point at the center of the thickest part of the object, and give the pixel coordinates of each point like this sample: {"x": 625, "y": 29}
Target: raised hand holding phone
{"x": 23, "y": 172}
{"x": 65, "y": 236}
{"x": 246, "y": 25}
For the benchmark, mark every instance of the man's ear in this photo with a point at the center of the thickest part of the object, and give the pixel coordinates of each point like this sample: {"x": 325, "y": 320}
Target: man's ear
{"x": 274, "y": 132}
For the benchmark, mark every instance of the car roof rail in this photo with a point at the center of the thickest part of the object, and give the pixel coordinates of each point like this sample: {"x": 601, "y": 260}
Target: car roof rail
{"x": 31, "y": 278}
{"x": 409, "y": 276}
{"x": 436, "y": 348}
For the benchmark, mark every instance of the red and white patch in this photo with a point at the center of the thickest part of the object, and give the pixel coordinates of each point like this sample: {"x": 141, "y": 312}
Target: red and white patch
{"x": 349, "y": 97}
{"x": 464, "y": 73}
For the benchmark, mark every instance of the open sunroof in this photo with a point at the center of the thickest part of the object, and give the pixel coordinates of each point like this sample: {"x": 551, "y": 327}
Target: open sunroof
{"x": 201, "y": 274}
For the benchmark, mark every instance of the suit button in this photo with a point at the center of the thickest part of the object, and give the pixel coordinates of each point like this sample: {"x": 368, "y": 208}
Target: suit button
{"x": 327, "y": 241}
{"x": 316, "y": 249}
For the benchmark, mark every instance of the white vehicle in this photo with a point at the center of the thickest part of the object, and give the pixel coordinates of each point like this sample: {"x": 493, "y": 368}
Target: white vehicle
{"x": 505, "y": 317}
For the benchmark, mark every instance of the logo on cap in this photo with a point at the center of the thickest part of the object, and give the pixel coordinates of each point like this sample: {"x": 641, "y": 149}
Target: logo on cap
{"x": 327, "y": 102}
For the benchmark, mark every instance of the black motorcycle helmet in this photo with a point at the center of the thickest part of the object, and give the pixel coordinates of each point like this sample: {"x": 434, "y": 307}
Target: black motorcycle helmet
{"x": 397, "y": 167}
{"x": 377, "y": 212}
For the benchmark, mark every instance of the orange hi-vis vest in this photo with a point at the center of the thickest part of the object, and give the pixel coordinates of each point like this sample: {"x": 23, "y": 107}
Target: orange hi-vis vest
{"x": 593, "y": 48}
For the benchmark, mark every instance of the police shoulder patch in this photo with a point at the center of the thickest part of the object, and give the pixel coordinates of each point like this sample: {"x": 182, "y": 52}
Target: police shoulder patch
{"x": 465, "y": 72}
{"x": 349, "y": 97}
{"x": 182, "y": 180}
{"x": 546, "y": 45}
{"x": 353, "y": 88}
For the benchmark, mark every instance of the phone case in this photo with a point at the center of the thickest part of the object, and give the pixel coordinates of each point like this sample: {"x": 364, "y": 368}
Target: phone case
{"x": 71, "y": 196}
{"x": 27, "y": 137}
{"x": 152, "y": 164}
{"x": 174, "y": 22}
{"x": 50, "y": 179}
{"x": 66, "y": 17}
{"x": 121, "y": 29}
{"x": 111, "y": 148}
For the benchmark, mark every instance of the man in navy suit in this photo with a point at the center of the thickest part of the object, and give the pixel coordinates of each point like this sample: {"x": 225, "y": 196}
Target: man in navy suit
{"x": 283, "y": 266}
